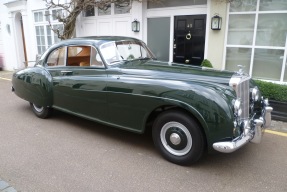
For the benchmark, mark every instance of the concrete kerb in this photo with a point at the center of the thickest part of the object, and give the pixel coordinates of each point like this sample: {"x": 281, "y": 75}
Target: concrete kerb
{"x": 5, "y": 187}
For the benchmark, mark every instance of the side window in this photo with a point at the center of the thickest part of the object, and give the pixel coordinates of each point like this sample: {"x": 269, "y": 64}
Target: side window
{"x": 57, "y": 57}
{"x": 83, "y": 56}
{"x": 79, "y": 56}
{"x": 96, "y": 58}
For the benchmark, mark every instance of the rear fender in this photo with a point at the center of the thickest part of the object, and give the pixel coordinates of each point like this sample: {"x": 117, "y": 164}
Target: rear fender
{"x": 34, "y": 85}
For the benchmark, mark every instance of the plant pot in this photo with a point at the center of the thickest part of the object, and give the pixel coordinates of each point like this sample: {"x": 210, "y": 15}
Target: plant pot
{"x": 279, "y": 110}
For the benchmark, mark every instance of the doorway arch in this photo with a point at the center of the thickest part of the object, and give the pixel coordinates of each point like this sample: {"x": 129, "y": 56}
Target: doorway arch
{"x": 20, "y": 41}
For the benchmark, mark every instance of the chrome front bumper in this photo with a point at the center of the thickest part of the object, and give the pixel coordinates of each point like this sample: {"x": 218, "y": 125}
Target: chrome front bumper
{"x": 252, "y": 134}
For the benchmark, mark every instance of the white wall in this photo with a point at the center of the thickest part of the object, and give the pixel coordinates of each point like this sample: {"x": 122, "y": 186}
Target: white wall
{"x": 13, "y": 57}
{"x": 119, "y": 25}
{"x": 216, "y": 37}
{"x": 12, "y": 35}
{"x": 7, "y": 41}
{"x": 107, "y": 25}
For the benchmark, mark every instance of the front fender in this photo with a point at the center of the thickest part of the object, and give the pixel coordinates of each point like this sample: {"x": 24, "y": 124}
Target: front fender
{"x": 34, "y": 85}
{"x": 211, "y": 106}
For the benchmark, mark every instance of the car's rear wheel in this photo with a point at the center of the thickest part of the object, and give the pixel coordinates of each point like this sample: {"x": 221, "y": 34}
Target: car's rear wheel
{"x": 178, "y": 137}
{"x": 40, "y": 111}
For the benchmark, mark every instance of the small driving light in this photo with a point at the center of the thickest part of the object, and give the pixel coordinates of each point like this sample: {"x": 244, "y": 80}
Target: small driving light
{"x": 237, "y": 104}
{"x": 237, "y": 107}
{"x": 255, "y": 94}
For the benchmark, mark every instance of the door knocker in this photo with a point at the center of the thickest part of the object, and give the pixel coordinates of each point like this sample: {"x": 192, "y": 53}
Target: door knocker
{"x": 188, "y": 36}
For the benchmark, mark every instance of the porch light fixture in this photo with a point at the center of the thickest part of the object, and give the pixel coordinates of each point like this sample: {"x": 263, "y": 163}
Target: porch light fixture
{"x": 216, "y": 22}
{"x": 136, "y": 26}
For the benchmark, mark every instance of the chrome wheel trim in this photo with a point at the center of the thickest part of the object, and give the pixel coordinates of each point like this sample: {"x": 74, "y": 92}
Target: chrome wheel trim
{"x": 174, "y": 138}
{"x": 37, "y": 108}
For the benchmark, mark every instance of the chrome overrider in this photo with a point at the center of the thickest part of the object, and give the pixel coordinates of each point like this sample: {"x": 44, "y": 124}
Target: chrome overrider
{"x": 252, "y": 128}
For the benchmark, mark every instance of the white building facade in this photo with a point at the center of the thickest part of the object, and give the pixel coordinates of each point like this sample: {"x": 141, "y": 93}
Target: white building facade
{"x": 253, "y": 32}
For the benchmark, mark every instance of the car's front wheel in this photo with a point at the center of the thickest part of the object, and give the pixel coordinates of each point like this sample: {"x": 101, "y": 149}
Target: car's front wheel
{"x": 40, "y": 111}
{"x": 178, "y": 137}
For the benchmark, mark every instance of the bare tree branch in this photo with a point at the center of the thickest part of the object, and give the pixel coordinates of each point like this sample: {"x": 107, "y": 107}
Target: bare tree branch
{"x": 74, "y": 8}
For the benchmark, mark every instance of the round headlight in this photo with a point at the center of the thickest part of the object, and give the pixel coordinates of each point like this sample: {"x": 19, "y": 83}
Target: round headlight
{"x": 255, "y": 94}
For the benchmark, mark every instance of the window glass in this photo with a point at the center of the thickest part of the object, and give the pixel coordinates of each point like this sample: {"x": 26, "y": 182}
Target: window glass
{"x": 38, "y": 16}
{"x": 285, "y": 74}
{"x": 96, "y": 58}
{"x": 49, "y": 36}
{"x": 57, "y": 57}
{"x": 47, "y": 16}
{"x": 173, "y": 3}
{"x": 40, "y": 36}
{"x": 238, "y": 56}
{"x": 104, "y": 10}
{"x": 124, "y": 50}
{"x": 272, "y": 5}
{"x": 272, "y": 29}
{"x": 56, "y": 13}
{"x": 79, "y": 56}
{"x": 45, "y": 37}
{"x": 241, "y": 29}
{"x": 90, "y": 11}
{"x": 243, "y": 5}
{"x": 158, "y": 38}
{"x": 122, "y": 7}
{"x": 60, "y": 28}
{"x": 267, "y": 64}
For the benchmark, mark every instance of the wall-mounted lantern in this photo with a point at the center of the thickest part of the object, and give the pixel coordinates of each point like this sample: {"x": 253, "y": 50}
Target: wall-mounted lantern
{"x": 136, "y": 26}
{"x": 216, "y": 22}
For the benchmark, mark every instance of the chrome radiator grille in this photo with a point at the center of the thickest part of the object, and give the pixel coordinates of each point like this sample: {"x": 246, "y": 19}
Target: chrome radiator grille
{"x": 241, "y": 86}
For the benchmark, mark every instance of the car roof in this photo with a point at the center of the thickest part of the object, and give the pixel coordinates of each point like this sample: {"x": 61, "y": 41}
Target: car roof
{"x": 96, "y": 40}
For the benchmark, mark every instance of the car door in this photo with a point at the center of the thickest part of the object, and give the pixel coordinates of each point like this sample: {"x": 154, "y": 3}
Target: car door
{"x": 131, "y": 98}
{"x": 79, "y": 81}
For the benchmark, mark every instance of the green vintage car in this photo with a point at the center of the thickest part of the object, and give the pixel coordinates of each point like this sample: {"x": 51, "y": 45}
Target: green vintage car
{"x": 117, "y": 81}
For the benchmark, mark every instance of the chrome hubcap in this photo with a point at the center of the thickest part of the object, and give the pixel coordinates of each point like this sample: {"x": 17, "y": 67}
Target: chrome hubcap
{"x": 39, "y": 109}
{"x": 175, "y": 139}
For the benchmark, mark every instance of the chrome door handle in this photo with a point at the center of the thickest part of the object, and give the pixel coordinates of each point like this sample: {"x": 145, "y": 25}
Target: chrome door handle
{"x": 66, "y": 72}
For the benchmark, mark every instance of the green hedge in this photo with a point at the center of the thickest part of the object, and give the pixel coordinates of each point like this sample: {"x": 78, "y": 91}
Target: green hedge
{"x": 273, "y": 91}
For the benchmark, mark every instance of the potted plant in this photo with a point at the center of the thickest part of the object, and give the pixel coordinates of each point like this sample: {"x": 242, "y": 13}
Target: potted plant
{"x": 206, "y": 63}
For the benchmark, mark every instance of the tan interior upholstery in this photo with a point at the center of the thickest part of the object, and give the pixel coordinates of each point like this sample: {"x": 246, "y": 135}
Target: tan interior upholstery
{"x": 83, "y": 63}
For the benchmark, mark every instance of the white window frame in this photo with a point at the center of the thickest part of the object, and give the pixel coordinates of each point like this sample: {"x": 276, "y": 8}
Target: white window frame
{"x": 46, "y": 25}
{"x": 253, "y": 46}
{"x": 112, "y": 12}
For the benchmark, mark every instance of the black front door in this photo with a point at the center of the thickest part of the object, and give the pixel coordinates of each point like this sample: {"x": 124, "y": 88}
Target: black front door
{"x": 189, "y": 39}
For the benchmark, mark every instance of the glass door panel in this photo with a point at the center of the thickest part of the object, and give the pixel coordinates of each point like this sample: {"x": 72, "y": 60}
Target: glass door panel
{"x": 267, "y": 64}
